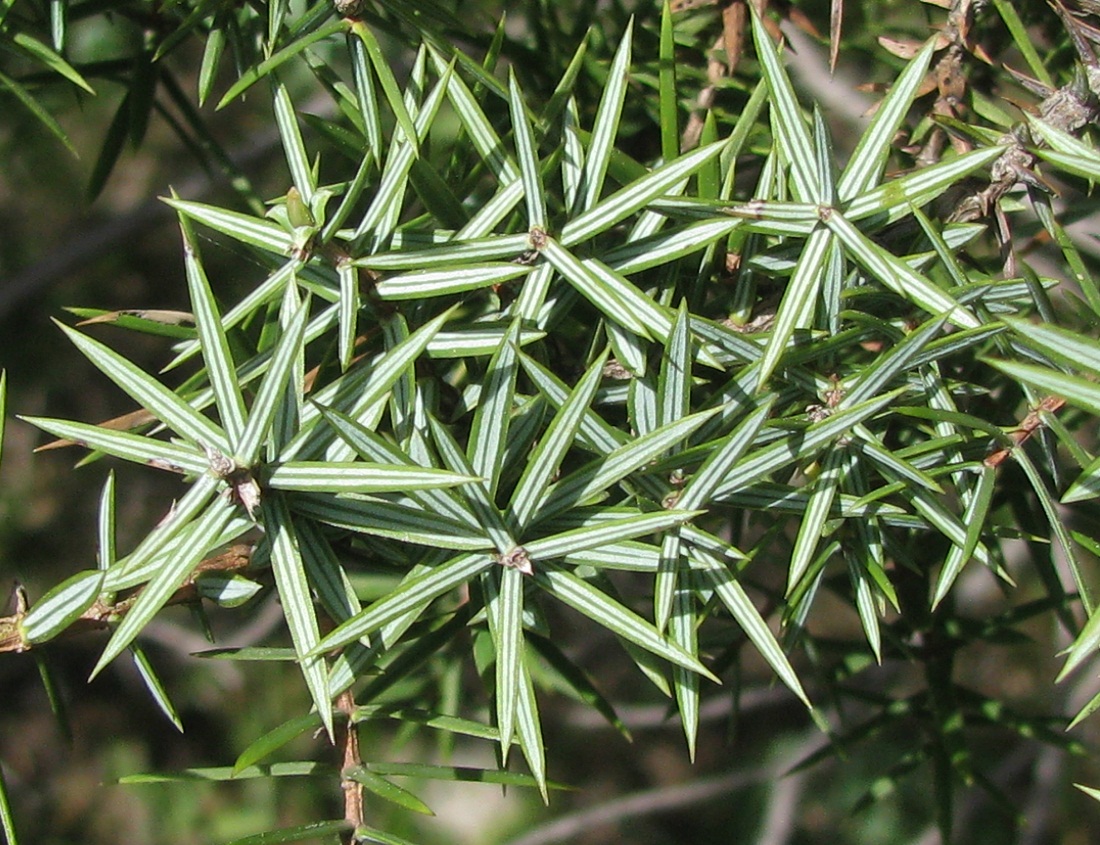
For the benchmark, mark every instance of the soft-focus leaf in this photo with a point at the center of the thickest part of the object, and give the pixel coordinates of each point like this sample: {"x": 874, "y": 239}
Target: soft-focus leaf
{"x": 7, "y": 818}
{"x": 299, "y": 833}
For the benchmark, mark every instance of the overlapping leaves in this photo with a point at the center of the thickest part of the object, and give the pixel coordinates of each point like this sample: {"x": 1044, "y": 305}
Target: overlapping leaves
{"x": 496, "y": 375}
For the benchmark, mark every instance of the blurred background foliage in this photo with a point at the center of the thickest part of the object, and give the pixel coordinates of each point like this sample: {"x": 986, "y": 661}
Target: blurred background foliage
{"x": 80, "y": 226}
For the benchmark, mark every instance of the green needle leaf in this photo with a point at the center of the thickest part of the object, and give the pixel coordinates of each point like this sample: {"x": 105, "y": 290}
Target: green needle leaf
{"x": 414, "y": 594}
{"x": 297, "y": 601}
{"x": 150, "y": 394}
{"x": 215, "y": 347}
{"x": 199, "y": 539}
{"x": 742, "y": 609}
{"x": 354, "y": 477}
{"x": 610, "y": 614}
{"x": 56, "y": 610}
{"x": 606, "y": 127}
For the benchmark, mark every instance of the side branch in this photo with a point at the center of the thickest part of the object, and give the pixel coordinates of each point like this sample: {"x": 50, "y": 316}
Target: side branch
{"x": 235, "y": 559}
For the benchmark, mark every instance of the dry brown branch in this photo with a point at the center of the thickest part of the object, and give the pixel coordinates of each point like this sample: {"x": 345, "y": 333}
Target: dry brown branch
{"x": 1026, "y": 429}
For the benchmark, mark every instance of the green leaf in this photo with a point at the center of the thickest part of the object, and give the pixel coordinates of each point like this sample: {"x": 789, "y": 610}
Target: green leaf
{"x": 897, "y": 275}
{"x": 199, "y": 538}
{"x": 865, "y": 605}
{"x": 1070, "y": 348}
{"x": 453, "y": 254}
{"x": 1088, "y": 790}
{"x": 151, "y": 395}
{"x": 296, "y": 156}
{"x": 349, "y": 311}
{"x": 154, "y": 685}
{"x": 297, "y": 601}
{"x": 742, "y": 609}
{"x": 796, "y": 311}
{"x": 373, "y": 447}
{"x": 545, "y": 461}
{"x": 975, "y": 520}
{"x": 132, "y": 447}
{"x": 682, "y": 630}
{"x": 674, "y": 380}
{"x": 1085, "y": 166}
{"x": 241, "y": 227}
{"x": 600, "y": 474}
{"x": 388, "y": 791}
{"x": 212, "y": 53}
{"x": 361, "y": 387}
{"x": 50, "y": 59}
{"x": 761, "y": 463}
{"x": 7, "y": 818}
{"x": 639, "y": 193}
{"x": 299, "y": 833}
{"x": 893, "y": 199}
{"x": 478, "y": 126}
{"x": 412, "y": 595}
{"x": 608, "y": 613}
{"x": 504, "y": 608}
{"x": 1086, "y": 486}
{"x": 1058, "y": 529}
{"x": 165, "y": 538}
{"x": 606, "y": 126}
{"x": 890, "y": 365}
{"x": 464, "y": 774}
{"x": 811, "y": 528}
{"x": 476, "y": 341}
{"x": 619, "y": 301}
{"x": 106, "y": 521}
{"x": 161, "y": 322}
{"x": 389, "y": 84}
{"x": 356, "y": 477}
{"x": 476, "y": 496}
{"x": 220, "y": 368}
{"x": 1075, "y": 390}
{"x": 667, "y": 246}
{"x": 62, "y": 605}
{"x": 372, "y": 835}
{"x": 577, "y": 680}
{"x": 34, "y": 107}
{"x": 1023, "y": 41}
{"x": 325, "y": 572}
{"x": 251, "y": 653}
{"x": 794, "y": 140}
{"x": 529, "y": 727}
{"x": 721, "y": 458}
{"x": 666, "y": 86}
{"x": 273, "y": 388}
{"x": 257, "y": 72}
{"x": 489, "y": 431}
{"x": 527, "y": 155}
{"x": 425, "y": 284}
{"x": 868, "y": 158}
{"x": 226, "y": 590}
{"x": 224, "y": 773}
{"x": 605, "y": 533}
{"x": 393, "y": 520}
